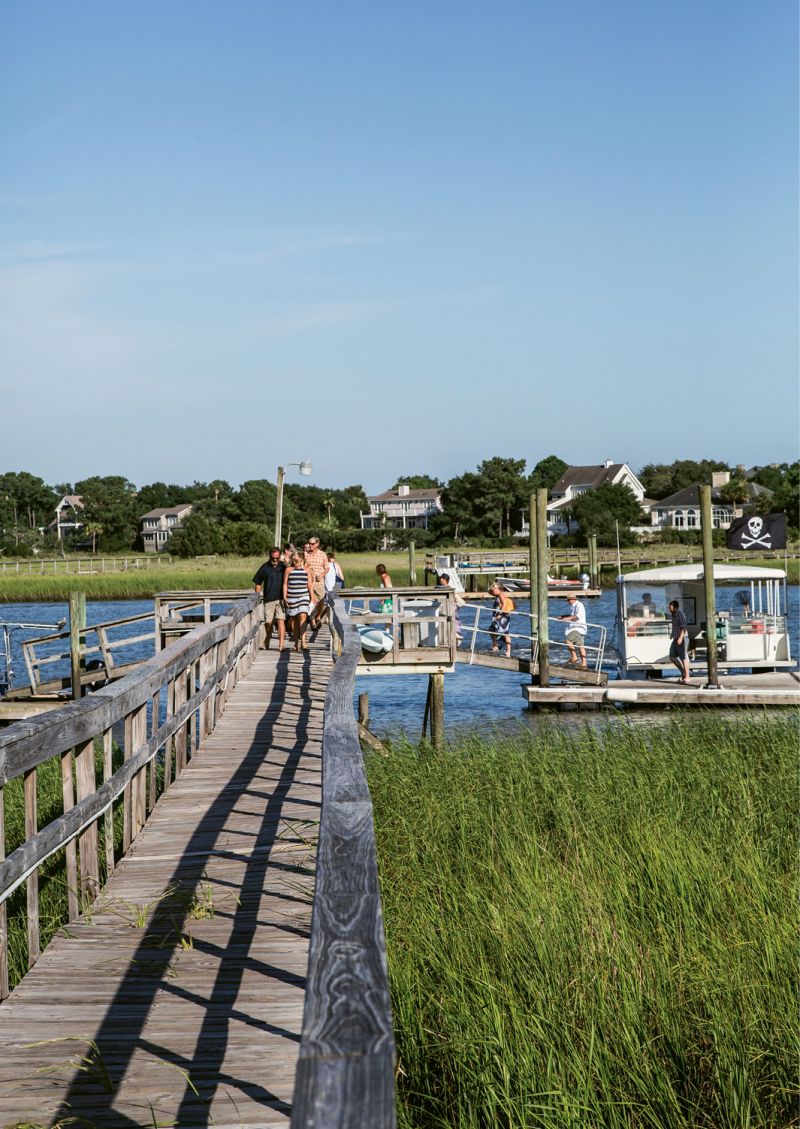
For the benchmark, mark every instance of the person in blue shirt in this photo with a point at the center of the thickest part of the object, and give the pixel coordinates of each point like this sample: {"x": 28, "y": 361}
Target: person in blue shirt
{"x": 679, "y": 646}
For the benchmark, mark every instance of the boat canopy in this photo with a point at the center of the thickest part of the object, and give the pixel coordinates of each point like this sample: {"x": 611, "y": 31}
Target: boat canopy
{"x": 676, "y": 574}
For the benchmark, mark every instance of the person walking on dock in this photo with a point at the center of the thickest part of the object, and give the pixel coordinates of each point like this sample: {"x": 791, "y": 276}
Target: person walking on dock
{"x": 679, "y": 646}
{"x": 268, "y": 582}
{"x": 317, "y": 566}
{"x": 501, "y": 619}
{"x": 576, "y": 632}
{"x": 298, "y": 596}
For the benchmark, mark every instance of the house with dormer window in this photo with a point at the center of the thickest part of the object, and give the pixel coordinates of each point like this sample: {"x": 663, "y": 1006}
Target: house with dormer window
{"x": 159, "y": 525}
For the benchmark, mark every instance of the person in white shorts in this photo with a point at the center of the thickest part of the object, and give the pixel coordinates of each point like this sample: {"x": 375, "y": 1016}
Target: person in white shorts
{"x": 576, "y": 632}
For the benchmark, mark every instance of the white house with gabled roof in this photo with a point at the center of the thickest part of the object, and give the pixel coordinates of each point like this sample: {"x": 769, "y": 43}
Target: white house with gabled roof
{"x": 402, "y": 508}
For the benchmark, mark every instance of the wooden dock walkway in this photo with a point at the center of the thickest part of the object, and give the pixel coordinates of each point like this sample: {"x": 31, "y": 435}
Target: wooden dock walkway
{"x": 177, "y": 999}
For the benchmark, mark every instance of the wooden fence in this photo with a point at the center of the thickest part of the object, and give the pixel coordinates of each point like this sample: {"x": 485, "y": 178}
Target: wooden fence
{"x": 82, "y": 566}
{"x": 197, "y": 673}
{"x": 345, "y": 1072}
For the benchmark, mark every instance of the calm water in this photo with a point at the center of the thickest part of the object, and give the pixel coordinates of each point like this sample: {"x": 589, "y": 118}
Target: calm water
{"x": 474, "y": 696}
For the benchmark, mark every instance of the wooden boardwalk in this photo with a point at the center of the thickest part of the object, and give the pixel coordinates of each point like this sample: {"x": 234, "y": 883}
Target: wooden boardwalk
{"x": 178, "y": 998}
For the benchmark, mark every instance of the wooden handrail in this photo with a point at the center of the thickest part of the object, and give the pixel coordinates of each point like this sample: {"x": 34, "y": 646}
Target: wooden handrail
{"x": 345, "y": 1071}
{"x": 196, "y": 672}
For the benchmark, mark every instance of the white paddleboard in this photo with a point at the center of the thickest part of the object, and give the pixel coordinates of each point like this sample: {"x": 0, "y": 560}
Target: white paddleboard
{"x": 375, "y": 640}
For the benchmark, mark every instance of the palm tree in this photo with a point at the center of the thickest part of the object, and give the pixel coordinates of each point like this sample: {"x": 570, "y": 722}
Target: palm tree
{"x": 93, "y": 528}
{"x": 329, "y": 503}
{"x": 736, "y": 492}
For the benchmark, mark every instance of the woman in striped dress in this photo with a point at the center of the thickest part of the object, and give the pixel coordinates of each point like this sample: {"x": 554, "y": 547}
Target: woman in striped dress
{"x": 298, "y": 595}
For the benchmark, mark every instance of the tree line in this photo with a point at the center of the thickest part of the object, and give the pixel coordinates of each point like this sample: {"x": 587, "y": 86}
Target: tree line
{"x": 488, "y": 504}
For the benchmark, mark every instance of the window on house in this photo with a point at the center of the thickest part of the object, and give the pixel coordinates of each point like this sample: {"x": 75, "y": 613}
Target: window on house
{"x": 691, "y": 519}
{"x": 679, "y": 519}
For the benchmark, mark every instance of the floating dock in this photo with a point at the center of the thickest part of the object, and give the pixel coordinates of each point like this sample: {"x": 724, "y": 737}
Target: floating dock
{"x": 778, "y": 689}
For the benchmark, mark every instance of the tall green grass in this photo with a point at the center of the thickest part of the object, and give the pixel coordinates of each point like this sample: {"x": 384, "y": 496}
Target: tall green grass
{"x": 213, "y": 573}
{"x": 595, "y": 928}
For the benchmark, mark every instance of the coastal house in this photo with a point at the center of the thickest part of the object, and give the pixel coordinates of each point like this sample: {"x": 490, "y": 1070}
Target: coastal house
{"x": 577, "y": 480}
{"x": 68, "y": 516}
{"x": 159, "y": 525}
{"x": 681, "y": 510}
{"x": 402, "y": 508}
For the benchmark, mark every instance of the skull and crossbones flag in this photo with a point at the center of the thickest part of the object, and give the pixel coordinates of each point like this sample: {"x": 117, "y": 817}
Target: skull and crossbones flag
{"x": 761, "y": 531}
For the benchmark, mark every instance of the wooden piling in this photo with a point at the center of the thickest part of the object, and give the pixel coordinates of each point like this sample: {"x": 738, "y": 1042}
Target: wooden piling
{"x": 363, "y": 709}
{"x": 77, "y": 637}
{"x": 412, "y": 564}
{"x": 541, "y": 569}
{"x": 436, "y": 682}
{"x": 708, "y": 582}
{"x": 533, "y": 575}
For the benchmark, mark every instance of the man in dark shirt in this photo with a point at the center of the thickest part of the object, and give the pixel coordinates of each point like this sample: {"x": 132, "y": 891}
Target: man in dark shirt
{"x": 269, "y": 582}
{"x": 679, "y": 647}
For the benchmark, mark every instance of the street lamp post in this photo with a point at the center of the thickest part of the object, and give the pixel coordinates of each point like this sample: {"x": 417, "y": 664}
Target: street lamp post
{"x": 305, "y": 469}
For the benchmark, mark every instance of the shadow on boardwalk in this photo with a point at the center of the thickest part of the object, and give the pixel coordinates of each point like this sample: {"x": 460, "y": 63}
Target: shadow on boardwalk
{"x": 186, "y": 985}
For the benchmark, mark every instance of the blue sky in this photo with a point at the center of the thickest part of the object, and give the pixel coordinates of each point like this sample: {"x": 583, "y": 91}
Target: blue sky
{"x": 395, "y": 238}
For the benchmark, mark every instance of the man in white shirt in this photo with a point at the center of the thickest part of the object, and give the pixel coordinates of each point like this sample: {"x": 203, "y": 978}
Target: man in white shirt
{"x": 576, "y": 632}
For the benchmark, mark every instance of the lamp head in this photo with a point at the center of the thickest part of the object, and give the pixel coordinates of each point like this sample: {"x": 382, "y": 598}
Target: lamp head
{"x": 305, "y": 467}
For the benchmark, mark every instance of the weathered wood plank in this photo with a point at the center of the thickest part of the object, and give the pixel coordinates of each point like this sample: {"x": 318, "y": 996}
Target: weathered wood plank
{"x": 192, "y": 1001}
{"x": 345, "y": 1075}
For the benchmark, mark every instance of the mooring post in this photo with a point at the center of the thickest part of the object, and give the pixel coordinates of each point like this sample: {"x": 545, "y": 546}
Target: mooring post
{"x": 77, "y": 639}
{"x": 412, "y": 564}
{"x": 708, "y": 582}
{"x": 437, "y": 709}
{"x": 363, "y": 709}
{"x": 533, "y": 576}
{"x": 593, "y": 571}
{"x": 541, "y": 569}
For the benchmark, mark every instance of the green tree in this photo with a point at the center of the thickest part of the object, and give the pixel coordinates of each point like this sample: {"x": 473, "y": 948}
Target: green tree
{"x": 787, "y": 497}
{"x": 418, "y": 482}
{"x": 198, "y": 536}
{"x": 546, "y": 473}
{"x": 160, "y": 495}
{"x": 255, "y": 501}
{"x": 736, "y": 491}
{"x": 112, "y": 502}
{"x": 599, "y": 511}
{"x": 484, "y": 502}
{"x": 26, "y": 503}
{"x": 661, "y": 479}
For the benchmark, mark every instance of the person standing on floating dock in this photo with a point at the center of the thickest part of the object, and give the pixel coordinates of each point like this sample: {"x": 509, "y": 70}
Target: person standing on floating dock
{"x": 576, "y": 632}
{"x": 679, "y": 647}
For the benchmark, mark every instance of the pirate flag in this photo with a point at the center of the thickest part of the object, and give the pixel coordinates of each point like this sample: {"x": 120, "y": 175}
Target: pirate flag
{"x": 761, "y": 531}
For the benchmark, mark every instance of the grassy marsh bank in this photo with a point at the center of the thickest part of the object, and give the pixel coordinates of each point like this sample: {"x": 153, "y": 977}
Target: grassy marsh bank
{"x": 202, "y": 573}
{"x": 594, "y": 928}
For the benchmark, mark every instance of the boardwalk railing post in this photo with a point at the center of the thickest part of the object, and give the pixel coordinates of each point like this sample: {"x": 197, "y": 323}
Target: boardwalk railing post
{"x": 543, "y": 633}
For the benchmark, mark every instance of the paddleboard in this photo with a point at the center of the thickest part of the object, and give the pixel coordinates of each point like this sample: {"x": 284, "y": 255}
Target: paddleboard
{"x": 375, "y": 640}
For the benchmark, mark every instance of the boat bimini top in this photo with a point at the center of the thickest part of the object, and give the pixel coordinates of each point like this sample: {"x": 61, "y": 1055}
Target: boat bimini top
{"x": 693, "y": 572}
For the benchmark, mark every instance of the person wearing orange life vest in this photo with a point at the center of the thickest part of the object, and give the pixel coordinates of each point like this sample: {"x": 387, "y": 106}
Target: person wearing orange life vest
{"x": 501, "y": 619}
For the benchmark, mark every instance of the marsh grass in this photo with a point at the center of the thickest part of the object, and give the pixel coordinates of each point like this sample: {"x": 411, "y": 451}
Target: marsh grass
{"x": 212, "y": 573}
{"x": 594, "y": 928}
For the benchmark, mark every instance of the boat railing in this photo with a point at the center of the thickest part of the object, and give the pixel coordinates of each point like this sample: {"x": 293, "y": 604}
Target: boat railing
{"x": 479, "y": 630}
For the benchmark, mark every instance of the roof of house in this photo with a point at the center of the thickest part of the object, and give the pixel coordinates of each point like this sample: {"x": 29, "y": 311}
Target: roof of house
{"x": 593, "y": 476}
{"x": 690, "y": 496}
{"x": 168, "y": 510}
{"x": 412, "y": 496}
{"x": 73, "y": 500}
